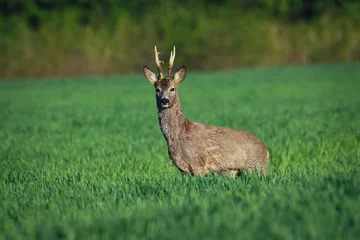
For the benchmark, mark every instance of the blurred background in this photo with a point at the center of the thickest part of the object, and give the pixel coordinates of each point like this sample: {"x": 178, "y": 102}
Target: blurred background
{"x": 41, "y": 38}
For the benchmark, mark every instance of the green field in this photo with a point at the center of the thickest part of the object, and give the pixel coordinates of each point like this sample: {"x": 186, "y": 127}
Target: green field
{"x": 86, "y": 159}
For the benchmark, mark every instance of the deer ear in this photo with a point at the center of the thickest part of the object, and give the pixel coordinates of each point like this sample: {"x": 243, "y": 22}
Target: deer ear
{"x": 180, "y": 74}
{"x": 149, "y": 75}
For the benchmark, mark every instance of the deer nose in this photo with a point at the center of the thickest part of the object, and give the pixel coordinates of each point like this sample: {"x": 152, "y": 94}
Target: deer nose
{"x": 164, "y": 100}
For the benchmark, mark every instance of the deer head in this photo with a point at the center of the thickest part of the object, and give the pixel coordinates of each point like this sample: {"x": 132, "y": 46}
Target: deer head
{"x": 165, "y": 87}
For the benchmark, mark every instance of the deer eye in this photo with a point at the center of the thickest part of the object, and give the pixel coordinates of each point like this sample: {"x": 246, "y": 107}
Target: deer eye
{"x": 172, "y": 89}
{"x": 158, "y": 90}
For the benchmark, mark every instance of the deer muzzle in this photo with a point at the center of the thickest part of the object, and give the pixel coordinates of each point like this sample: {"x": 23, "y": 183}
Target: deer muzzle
{"x": 164, "y": 101}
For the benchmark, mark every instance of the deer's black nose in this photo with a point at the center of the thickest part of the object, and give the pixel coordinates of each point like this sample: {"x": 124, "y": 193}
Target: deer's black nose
{"x": 164, "y": 100}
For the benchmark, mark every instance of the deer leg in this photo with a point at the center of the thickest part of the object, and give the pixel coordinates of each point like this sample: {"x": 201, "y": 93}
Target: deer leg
{"x": 258, "y": 171}
{"x": 198, "y": 171}
{"x": 232, "y": 173}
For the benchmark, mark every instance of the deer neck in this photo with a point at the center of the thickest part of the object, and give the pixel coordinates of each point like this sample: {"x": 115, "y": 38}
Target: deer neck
{"x": 172, "y": 121}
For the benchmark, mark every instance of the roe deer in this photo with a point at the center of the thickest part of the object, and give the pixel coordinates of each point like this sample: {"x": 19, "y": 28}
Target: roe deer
{"x": 198, "y": 148}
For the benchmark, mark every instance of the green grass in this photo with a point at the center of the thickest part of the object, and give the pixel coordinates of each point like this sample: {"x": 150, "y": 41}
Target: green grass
{"x": 86, "y": 159}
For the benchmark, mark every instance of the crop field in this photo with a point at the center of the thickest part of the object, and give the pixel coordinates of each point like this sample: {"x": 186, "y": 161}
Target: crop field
{"x": 84, "y": 158}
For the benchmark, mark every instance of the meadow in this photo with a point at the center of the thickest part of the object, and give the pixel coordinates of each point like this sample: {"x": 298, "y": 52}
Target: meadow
{"x": 84, "y": 158}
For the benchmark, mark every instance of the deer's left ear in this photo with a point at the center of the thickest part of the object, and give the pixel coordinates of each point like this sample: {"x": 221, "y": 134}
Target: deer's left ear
{"x": 180, "y": 74}
{"x": 149, "y": 75}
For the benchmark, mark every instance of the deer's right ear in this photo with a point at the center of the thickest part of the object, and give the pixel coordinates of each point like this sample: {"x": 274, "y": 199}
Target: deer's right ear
{"x": 149, "y": 75}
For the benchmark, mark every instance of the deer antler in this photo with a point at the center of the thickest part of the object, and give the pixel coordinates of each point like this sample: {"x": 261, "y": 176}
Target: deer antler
{"x": 158, "y": 63}
{"x": 171, "y": 61}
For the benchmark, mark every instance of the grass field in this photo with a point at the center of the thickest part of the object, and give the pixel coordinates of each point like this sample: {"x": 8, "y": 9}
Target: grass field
{"x": 86, "y": 159}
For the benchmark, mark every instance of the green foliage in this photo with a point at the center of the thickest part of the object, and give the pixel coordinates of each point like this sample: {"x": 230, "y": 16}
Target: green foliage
{"x": 77, "y": 37}
{"x": 86, "y": 159}
{"x": 62, "y": 46}
{"x": 67, "y": 38}
{"x": 92, "y": 9}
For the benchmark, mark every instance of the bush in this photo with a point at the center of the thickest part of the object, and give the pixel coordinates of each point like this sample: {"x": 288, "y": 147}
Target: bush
{"x": 61, "y": 38}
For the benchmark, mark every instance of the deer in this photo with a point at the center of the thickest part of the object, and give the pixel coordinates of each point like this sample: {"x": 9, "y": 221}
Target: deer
{"x": 196, "y": 148}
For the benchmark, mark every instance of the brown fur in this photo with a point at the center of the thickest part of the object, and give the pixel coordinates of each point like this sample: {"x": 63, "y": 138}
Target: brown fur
{"x": 198, "y": 148}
